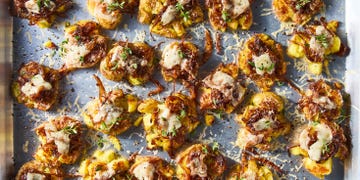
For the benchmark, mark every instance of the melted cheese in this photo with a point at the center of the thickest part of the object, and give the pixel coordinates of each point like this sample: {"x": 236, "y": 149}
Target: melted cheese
{"x": 74, "y": 53}
{"x": 183, "y": 2}
{"x": 240, "y": 6}
{"x": 108, "y": 113}
{"x": 219, "y": 80}
{"x": 168, "y": 121}
{"x": 263, "y": 64}
{"x": 263, "y": 123}
{"x": 101, "y": 12}
{"x": 34, "y": 86}
{"x": 171, "y": 57}
{"x": 32, "y": 6}
{"x": 325, "y": 102}
{"x": 35, "y": 176}
{"x": 245, "y": 138}
{"x": 108, "y": 173}
{"x": 168, "y": 15}
{"x": 144, "y": 171}
{"x": 316, "y": 45}
{"x": 60, "y": 137}
{"x": 116, "y": 55}
{"x": 324, "y": 136}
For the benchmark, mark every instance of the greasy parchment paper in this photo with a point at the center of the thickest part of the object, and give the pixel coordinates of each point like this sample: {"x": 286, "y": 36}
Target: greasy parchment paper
{"x": 78, "y": 87}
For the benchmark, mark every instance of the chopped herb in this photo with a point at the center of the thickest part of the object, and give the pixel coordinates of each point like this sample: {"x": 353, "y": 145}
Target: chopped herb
{"x": 225, "y": 16}
{"x": 67, "y": 24}
{"x": 103, "y": 125}
{"x": 215, "y": 146}
{"x": 280, "y": 83}
{"x": 135, "y": 66}
{"x": 204, "y": 149}
{"x": 315, "y": 123}
{"x": 325, "y": 148}
{"x": 271, "y": 67}
{"x": 343, "y": 116}
{"x": 70, "y": 129}
{"x": 129, "y": 176}
{"x": 181, "y": 54}
{"x": 81, "y": 59}
{"x": 164, "y": 119}
{"x": 173, "y": 132}
{"x": 184, "y": 14}
{"x": 322, "y": 40}
{"x": 42, "y": 3}
{"x": 163, "y": 133}
{"x": 126, "y": 52}
{"x": 217, "y": 114}
{"x": 115, "y": 6}
{"x": 100, "y": 142}
{"x": 98, "y": 168}
{"x": 115, "y": 67}
{"x": 251, "y": 63}
{"x": 301, "y": 3}
{"x": 77, "y": 37}
{"x": 182, "y": 113}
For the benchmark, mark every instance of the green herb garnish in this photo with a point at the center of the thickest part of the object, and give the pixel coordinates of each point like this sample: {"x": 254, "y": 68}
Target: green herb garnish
{"x": 204, "y": 149}
{"x": 322, "y": 39}
{"x": 42, "y": 3}
{"x": 225, "y": 16}
{"x": 70, "y": 129}
{"x": 115, "y": 6}
{"x": 184, "y": 14}
{"x": 301, "y": 3}
{"x": 181, "y": 54}
{"x": 215, "y": 146}
{"x": 81, "y": 59}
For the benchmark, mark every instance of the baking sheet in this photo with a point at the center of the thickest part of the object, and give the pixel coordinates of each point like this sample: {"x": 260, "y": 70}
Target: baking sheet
{"x": 79, "y": 86}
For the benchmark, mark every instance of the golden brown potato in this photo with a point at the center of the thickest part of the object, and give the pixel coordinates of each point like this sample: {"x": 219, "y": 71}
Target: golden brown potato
{"x": 109, "y": 13}
{"x": 263, "y": 120}
{"x": 221, "y": 91}
{"x": 151, "y": 167}
{"x": 83, "y": 46}
{"x": 232, "y": 14}
{"x": 321, "y": 101}
{"x": 133, "y": 61}
{"x": 168, "y": 123}
{"x": 37, "y": 170}
{"x": 199, "y": 161}
{"x": 250, "y": 169}
{"x": 170, "y": 18}
{"x": 318, "y": 143}
{"x": 104, "y": 165}
{"x": 315, "y": 44}
{"x": 262, "y": 60}
{"x": 297, "y": 11}
{"x": 37, "y": 86}
{"x": 41, "y": 12}
{"x": 61, "y": 141}
{"x": 110, "y": 113}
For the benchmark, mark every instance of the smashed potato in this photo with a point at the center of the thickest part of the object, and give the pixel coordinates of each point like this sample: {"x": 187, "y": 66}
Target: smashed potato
{"x": 109, "y": 13}
{"x": 37, "y": 170}
{"x": 262, "y": 60}
{"x": 41, "y": 12}
{"x": 104, "y": 165}
{"x": 250, "y": 169}
{"x": 200, "y": 161}
{"x": 318, "y": 142}
{"x": 167, "y": 123}
{"x": 110, "y": 113}
{"x": 321, "y": 101}
{"x": 83, "y": 46}
{"x": 315, "y": 44}
{"x": 232, "y": 14}
{"x": 170, "y": 18}
{"x": 61, "y": 141}
{"x": 297, "y": 11}
{"x": 263, "y": 120}
{"x": 221, "y": 91}
{"x": 37, "y": 86}
{"x": 133, "y": 61}
{"x": 151, "y": 167}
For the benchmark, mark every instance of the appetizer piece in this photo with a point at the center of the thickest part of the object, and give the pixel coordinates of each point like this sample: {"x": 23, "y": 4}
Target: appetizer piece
{"x": 133, "y": 61}
{"x": 199, "y": 161}
{"x": 37, "y": 86}
{"x": 318, "y": 143}
{"x": 263, "y": 120}
{"x": 151, "y": 167}
{"x": 233, "y": 14}
{"x": 104, "y": 165}
{"x": 61, "y": 141}
{"x": 110, "y": 113}
{"x": 250, "y": 169}
{"x": 321, "y": 101}
{"x": 297, "y": 11}
{"x": 315, "y": 44}
{"x": 167, "y": 123}
{"x": 262, "y": 60}
{"x": 41, "y": 12}
{"x": 221, "y": 91}
{"x": 109, "y": 13}
{"x": 170, "y": 18}
{"x": 37, "y": 170}
{"x": 83, "y": 46}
